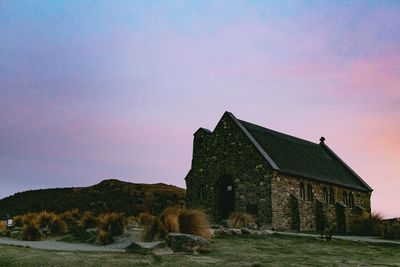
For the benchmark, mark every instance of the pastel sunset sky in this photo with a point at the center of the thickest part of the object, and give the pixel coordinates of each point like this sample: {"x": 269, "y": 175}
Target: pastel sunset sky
{"x": 91, "y": 90}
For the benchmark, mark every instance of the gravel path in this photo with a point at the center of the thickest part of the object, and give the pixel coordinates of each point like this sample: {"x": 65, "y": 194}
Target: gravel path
{"x": 121, "y": 242}
{"x": 58, "y": 245}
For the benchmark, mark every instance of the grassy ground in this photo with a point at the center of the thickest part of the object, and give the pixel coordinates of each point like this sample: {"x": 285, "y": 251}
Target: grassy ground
{"x": 227, "y": 251}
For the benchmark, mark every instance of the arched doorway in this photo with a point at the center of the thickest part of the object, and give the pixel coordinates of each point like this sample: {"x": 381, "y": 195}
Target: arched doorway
{"x": 226, "y": 197}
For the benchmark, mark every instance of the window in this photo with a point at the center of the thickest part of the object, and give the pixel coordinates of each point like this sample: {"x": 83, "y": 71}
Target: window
{"x": 331, "y": 196}
{"x": 345, "y": 198}
{"x": 325, "y": 195}
{"x": 310, "y": 194}
{"x": 351, "y": 200}
{"x": 302, "y": 191}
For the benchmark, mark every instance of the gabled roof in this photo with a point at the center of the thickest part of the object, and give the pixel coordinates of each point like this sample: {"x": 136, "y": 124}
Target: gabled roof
{"x": 295, "y": 156}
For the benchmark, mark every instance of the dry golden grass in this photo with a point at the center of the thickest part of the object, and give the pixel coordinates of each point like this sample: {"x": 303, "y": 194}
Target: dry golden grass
{"x": 175, "y": 219}
{"x": 145, "y": 218}
{"x": 239, "y": 220}
{"x": 57, "y": 226}
{"x": 169, "y": 219}
{"x": 18, "y": 220}
{"x": 88, "y": 220}
{"x": 195, "y": 222}
{"x": 2, "y": 225}
{"x": 71, "y": 214}
{"x": 31, "y": 230}
{"x": 104, "y": 237}
{"x": 45, "y": 218}
{"x": 154, "y": 231}
{"x": 115, "y": 223}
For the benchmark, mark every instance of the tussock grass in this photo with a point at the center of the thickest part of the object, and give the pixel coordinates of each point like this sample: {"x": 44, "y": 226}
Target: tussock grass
{"x": 31, "y": 230}
{"x": 105, "y": 237}
{"x": 45, "y": 218}
{"x": 88, "y": 220}
{"x": 2, "y": 225}
{"x": 115, "y": 223}
{"x": 239, "y": 220}
{"x": 18, "y": 220}
{"x": 57, "y": 226}
{"x": 178, "y": 220}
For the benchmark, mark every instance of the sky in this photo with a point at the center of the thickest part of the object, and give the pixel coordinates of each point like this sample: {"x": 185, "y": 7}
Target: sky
{"x": 92, "y": 90}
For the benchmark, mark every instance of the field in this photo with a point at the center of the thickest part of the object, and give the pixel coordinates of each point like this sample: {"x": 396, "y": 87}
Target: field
{"x": 272, "y": 250}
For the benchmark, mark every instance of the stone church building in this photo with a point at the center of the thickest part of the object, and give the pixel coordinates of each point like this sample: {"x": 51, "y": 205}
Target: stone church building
{"x": 287, "y": 183}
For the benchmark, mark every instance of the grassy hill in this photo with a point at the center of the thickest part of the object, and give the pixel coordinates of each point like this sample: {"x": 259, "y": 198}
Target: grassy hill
{"x": 108, "y": 195}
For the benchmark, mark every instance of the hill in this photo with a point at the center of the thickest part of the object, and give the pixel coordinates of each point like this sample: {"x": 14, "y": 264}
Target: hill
{"x": 108, "y": 195}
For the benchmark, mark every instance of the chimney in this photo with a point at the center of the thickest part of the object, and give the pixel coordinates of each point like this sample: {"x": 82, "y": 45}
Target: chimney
{"x": 322, "y": 140}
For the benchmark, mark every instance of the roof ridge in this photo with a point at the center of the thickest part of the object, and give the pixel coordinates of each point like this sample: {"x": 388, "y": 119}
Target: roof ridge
{"x": 279, "y": 133}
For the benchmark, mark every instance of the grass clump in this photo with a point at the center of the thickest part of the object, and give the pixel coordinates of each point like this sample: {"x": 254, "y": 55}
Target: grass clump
{"x": 31, "y": 231}
{"x": 178, "y": 220}
{"x": 57, "y": 226}
{"x": 88, "y": 220}
{"x": 105, "y": 237}
{"x": 45, "y": 218}
{"x": 239, "y": 220}
{"x": 3, "y": 226}
{"x": 113, "y": 222}
{"x": 368, "y": 224}
{"x": 18, "y": 220}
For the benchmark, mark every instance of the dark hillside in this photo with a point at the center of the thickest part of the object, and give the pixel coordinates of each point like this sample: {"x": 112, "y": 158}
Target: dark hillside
{"x": 109, "y": 195}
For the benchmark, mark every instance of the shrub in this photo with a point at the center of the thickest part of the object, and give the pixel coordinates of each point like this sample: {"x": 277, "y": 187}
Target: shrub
{"x": 145, "y": 218}
{"x": 105, "y": 237}
{"x": 239, "y": 220}
{"x": 88, "y": 220}
{"x": 392, "y": 230}
{"x": 18, "y": 220}
{"x": 367, "y": 224}
{"x": 114, "y": 223}
{"x": 31, "y": 231}
{"x": 195, "y": 222}
{"x": 45, "y": 218}
{"x": 57, "y": 226}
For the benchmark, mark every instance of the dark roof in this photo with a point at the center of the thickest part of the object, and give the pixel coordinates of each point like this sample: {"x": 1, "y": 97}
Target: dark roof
{"x": 292, "y": 155}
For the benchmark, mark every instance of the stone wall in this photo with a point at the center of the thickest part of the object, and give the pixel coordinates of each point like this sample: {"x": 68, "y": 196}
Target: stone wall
{"x": 227, "y": 151}
{"x": 284, "y": 185}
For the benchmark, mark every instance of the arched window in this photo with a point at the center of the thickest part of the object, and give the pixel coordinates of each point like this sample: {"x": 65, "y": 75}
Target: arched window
{"x": 302, "y": 191}
{"x": 331, "y": 196}
{"x": 351, "y": 200}
{"x": 345, "y": 198}
{"x": 325, "y": 195}
{"x": 310, "y": 194}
